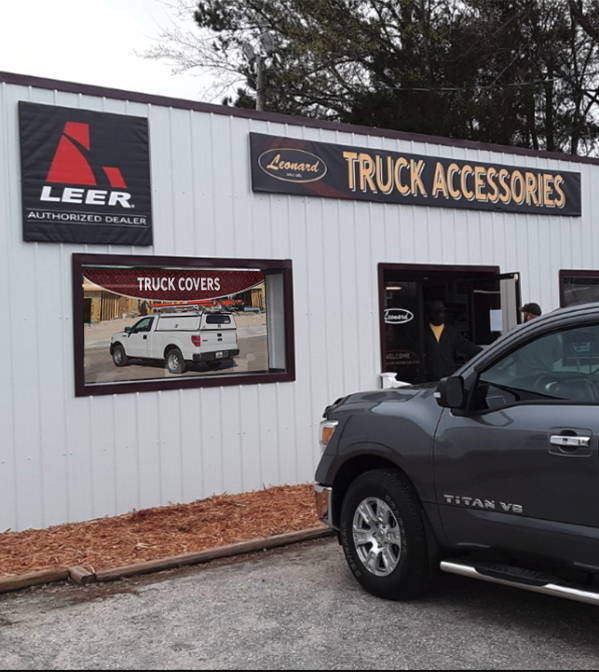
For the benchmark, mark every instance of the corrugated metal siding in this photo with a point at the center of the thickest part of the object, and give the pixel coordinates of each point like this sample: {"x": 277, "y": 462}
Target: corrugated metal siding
{"x": 64, "y": 458}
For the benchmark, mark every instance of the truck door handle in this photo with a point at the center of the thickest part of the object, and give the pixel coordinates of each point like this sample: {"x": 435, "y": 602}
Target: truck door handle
{"x": 145, "y": 336}
{"x": 566, "y": 441}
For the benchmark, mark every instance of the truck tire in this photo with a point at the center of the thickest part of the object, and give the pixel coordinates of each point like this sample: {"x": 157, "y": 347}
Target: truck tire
{"x": 383, "y": 535}
{"x": 174, "y": 361}
{"x": 119, "y": 356}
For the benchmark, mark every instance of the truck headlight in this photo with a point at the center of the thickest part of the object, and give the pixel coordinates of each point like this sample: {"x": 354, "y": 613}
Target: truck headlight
{"x": 327, "y": 429}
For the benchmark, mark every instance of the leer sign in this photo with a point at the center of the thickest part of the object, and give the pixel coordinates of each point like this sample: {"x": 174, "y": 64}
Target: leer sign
{"x": 85, "y": 176}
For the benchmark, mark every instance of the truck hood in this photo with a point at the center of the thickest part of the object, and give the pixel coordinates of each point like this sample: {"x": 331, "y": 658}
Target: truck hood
{"x": 414, "y": 405}
{"x": 372, "y": 398}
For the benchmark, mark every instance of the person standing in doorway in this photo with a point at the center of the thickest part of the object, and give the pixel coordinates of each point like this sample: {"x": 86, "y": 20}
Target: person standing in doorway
{"x": 530, "y": 311}
{"x": 443, "y": 344}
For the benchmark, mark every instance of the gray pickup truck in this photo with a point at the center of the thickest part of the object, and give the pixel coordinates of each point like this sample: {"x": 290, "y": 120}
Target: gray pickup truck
{"x": 492, "y": 473}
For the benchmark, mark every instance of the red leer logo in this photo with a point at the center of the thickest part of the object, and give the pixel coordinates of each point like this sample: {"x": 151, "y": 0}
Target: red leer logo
{"x": 69, "y": 165}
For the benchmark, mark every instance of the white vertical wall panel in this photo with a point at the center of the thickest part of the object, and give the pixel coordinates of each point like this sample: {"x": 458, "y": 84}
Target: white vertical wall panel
{"x": 128, "y": 446}
{"x": 65, "y": 459}
{"x": 191, "y": 457}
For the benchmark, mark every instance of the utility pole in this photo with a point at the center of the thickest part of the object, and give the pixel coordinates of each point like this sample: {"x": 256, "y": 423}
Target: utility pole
{"x": 259, "y": 82}
{"x": 258, "y": 57}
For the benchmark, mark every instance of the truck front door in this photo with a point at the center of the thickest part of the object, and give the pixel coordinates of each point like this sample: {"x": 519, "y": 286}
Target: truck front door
{"x": 520, "y": 469}
{"x": 137, "y": 342}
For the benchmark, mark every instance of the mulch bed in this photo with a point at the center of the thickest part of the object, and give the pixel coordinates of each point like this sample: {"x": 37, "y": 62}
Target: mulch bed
{"x": 160, "y": 532}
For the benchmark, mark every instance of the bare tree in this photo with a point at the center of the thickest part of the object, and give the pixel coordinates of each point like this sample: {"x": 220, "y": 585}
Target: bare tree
{"x": 188, "y": 48}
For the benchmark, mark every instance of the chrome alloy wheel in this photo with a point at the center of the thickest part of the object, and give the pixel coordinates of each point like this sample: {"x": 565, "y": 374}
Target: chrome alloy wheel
{"x": 173, "y": 361}
{"x": 377, "y": 536}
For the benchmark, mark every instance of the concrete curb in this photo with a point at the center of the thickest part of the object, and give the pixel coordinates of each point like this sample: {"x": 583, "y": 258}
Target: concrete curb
{"x": 84, "y": 577}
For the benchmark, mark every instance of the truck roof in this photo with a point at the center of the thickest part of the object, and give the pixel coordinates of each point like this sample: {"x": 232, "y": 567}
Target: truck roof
{"x": 195, "y": 313}
{"x": 581, "y": 307}
{"x": 180, "y": 313}
{"x": 579, "y": 310}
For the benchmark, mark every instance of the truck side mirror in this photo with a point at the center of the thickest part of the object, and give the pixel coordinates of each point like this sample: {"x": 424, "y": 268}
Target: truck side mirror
{"x": 451, "y": 393}
{"x": 128, "y": 330}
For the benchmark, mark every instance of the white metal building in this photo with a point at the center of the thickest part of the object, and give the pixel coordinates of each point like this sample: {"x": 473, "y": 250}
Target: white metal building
{"x": 66, "y": 457}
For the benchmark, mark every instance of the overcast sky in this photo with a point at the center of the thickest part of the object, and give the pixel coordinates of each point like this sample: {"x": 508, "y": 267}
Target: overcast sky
{"x": 91, "y": 42}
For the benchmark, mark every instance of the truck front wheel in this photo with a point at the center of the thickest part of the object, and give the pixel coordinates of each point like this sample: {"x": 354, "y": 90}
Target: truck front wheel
{"x": 174, "y": 361}
{"x": 119, "y": 356}
{"x": 383, "y": 535}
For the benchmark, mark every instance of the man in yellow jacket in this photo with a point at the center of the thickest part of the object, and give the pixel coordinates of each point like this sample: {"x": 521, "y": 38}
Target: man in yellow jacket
{"x": 443, "y": 344}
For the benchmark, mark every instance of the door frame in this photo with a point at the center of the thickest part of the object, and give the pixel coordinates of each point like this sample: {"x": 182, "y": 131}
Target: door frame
{"x": 415, "y": 268}
{"x": 518, "y": 278}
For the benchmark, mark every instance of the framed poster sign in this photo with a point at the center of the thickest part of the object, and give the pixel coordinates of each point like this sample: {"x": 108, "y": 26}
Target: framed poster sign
{"x": 148, "y": 323}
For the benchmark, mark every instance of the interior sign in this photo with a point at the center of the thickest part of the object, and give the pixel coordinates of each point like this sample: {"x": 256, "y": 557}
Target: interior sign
{"x": 85, "y": 176}
{"x": 293, "y": 166}
{"x": 398, "y": 315}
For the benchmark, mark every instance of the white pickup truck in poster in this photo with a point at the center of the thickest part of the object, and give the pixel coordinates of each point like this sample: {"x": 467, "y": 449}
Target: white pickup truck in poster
{"x": 178, "y": 336}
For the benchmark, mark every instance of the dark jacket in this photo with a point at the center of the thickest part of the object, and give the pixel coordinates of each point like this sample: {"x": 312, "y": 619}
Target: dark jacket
{"x": 442, "y": 358}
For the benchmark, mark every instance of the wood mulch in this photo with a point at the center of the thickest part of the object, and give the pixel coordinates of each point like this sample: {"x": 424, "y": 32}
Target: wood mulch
{"x": 160, "y": 532}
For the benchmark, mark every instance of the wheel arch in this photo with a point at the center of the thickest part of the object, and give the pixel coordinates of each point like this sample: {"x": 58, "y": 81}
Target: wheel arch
{"x": 169, "y": 347}
{"x": 354, "y": 466}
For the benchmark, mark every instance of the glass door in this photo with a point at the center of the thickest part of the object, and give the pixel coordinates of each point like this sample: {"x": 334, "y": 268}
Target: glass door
{"x": 402, "y": 325}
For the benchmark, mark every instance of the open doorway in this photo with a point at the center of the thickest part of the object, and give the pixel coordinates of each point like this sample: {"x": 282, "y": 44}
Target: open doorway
{"x": 481, "y": 304}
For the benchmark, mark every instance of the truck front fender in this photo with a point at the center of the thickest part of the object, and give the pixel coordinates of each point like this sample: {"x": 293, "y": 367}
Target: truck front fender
{"x": 355, "y": 458}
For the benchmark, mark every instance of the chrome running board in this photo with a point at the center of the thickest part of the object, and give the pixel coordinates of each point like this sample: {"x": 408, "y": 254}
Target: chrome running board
{"x": 554, "y": 589}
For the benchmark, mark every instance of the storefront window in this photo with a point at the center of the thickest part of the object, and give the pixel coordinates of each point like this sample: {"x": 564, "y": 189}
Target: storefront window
{"x": 146, "y": 323}
{"x": 578, "y": 287}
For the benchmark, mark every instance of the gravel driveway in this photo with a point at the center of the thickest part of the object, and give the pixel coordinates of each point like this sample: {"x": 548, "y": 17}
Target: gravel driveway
{"x": 294, "y": 608}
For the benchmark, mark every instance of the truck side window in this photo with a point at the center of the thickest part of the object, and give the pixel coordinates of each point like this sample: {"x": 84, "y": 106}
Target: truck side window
{"x": 143, "y": 325}
{"x": 219, "y": 318}
{"x": 561, "y": 366}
